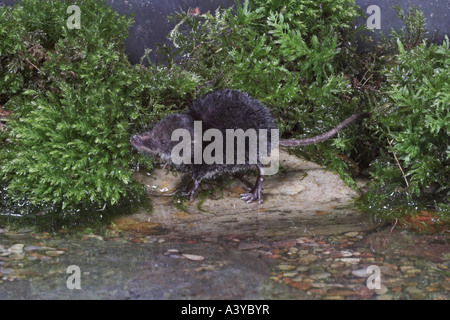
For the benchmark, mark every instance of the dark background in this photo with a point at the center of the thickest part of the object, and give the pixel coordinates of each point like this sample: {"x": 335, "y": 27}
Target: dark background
{"x": 151, "y": 25}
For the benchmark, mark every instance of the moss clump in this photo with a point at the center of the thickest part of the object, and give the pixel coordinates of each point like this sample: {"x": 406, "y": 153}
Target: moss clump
{"x": 75, "y": 99}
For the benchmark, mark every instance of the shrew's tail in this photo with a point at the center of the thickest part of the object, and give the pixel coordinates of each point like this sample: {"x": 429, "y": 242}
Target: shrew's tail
{"x": 323, "y": 136}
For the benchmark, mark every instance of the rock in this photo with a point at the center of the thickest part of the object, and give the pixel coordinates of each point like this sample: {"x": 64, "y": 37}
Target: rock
{"x": 346, "y": 254}
{"x": 285, "y": 243}
{"x": 389, "y": 270}
{"x": 318, "y": 291}
{"x": 335, "y": 285}
{"x": 413, "y": 271}
{"x": 364, "y": 292}
{"x": 193, "y": 257}
{"x": 54, "y": 253}
{"x": 405, "y": 269}
{"x": 290, "y": 274}
{"x": 15, "y": 252}
{"x": 341, "y": 293}
{"x": 383, "y": 289}
{"x": 432, "y": 288}
{"x": 334, "y": 297}
{"x": 351, "y": 234}
{"x": 320, "y": 285}
{"x": 318, "y": 276}
{"x": 361, "y": 273}
{"x": 350, "y": 260}
{"x": 302, "y": 268}
{"x": 442, "y": 266}
{"x": 159, "y": 182}
{"x": 385, "y": 297}
{"x": 249, "y": 245}
{"x": 415, "y": 293}
{"x": 32, "y": 248}
{"x": 297, "y": 278}
{"x": 307, "y": 259}
{"x": 16, "y": 249}
{"x": 285, "y": 267}
{"x": 393, "y": 282}
{"x": 6, "y": 270}
{"x": 301, "y": 285}
{"x": 92, "y": 236}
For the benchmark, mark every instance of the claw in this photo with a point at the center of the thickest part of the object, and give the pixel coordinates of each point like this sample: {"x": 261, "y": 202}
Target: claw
{"x": 191, "y": 192}
{"x": 250, "y": 197}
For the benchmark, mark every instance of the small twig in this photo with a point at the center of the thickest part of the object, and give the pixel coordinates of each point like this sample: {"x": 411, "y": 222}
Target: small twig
{"x": 396, "y": 221}
{"x": 367, "y": 80}
{"x": 209, "y": 82}
{"x": 102, "y": 209}
{"x": 398, "y": 163}
{"x": 40, "y": 71}
{"x": 364, "y": 76}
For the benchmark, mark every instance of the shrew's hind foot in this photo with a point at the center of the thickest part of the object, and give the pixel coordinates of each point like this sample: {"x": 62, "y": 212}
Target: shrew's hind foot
{"x": 192, "y": 191}
{"x": 253, "y": 195}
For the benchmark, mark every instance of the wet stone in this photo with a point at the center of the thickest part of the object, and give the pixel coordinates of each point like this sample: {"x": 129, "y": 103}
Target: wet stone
{"x": 290, "y": 274}
{"x": 382, "y": 290}
{"x": 346, "y": 254}
{"x": 406, "y": 269}
{"x": 351, "y": 234}
{"x": 362, "y": 273}
{"x": 249, "y": 246}
{"x": 307, "y": 259}
{"x": 6, "y": 270}
{"x": 298, "y": 277}
{"x": 284, "y": 267}
{"x": 32, "y": 248}
{"x": 389, "y": 270}
{"x": 319, "y": 276}
{"x": 350, "y": 260}
{"x": 442, "y": 266}
{"x": 302, "y": 268}
{"x": 193, "y": 257}
{"x": 415, "y": 293}
{"x": 54, "y": 253}
{"x": 302, "y": 285}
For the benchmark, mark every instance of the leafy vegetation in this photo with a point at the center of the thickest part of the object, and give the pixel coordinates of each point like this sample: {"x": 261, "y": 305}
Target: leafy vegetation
{"x": 286, "y": 54}
{"x": 411, "y": 172}
{"x": 415, "y": 127}
{"x": 76, "y": 99}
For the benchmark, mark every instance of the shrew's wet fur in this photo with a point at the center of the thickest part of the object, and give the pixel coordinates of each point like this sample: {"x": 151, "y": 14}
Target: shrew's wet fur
{"x": 222, "y": 109}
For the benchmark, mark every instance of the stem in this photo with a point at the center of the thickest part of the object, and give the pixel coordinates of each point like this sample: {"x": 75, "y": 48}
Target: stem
{"x": 398, "y": 163}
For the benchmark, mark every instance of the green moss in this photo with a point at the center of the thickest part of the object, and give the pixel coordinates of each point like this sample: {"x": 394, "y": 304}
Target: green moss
{"x": 75, "y": 100}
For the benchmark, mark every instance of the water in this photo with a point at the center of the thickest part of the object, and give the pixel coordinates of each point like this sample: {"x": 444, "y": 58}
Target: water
{"x": 305, "y": 241}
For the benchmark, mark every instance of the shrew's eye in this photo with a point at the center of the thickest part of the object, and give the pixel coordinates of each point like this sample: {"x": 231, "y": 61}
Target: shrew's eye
{"x": 163, "y": 142}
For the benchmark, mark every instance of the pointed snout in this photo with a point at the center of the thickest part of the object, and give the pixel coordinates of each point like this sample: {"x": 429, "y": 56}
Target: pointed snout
{"x": 136, "y": 141}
